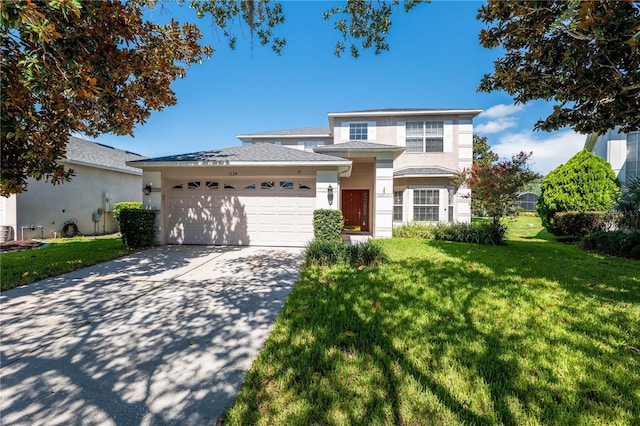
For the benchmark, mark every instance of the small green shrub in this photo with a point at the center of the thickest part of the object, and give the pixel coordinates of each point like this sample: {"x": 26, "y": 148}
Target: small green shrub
{"x": 327, "y": 253}
{"x": 486, "y": 233}
{"x": 327, "y": 225}
{"x": 137, "y": 227}
{"x": 615, "y": 243}
{"x": 628, "y": 206}
{"x": 577, "y": 224}
{"x": 414, "y": 230}
{"x": 118, "y": 207}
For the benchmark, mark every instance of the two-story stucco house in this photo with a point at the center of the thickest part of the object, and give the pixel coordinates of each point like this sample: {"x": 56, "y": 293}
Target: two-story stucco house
{"x": 381, "y": 168}
{"x": 101, "y": 179}
{"x": 621, "y": 150}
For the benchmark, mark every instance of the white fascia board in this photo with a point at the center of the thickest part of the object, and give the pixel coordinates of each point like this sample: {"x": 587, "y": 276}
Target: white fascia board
{"x": 472, "y": 112}
{"x": 98, "y": 166}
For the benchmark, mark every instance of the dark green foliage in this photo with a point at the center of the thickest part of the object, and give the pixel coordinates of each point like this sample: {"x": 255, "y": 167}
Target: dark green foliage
{"x": 581, "y": 55}
{"x": 628, "y": 206}
{"x": 577, "y": 224}
{"x": 327, "y": 253}
{"x": 585, "y": 183}
{"x": 137, "y": 227}
{"x": 615, "y": 243}
{"x": 488, "y": 233}
{"x": 118, "y": 207}
{"x": 327, "y": 225}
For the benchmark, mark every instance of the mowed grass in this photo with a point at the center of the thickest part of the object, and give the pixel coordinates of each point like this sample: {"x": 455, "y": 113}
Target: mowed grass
{"x": 60, "y": 256}
{"x": 532, "y": 332}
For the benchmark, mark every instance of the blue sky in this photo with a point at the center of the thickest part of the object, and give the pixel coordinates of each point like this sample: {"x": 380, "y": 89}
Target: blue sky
{"x": 435, "y": 61}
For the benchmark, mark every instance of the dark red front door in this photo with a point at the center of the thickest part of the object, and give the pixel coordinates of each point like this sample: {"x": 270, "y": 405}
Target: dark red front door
{"x": 355, "y": 208}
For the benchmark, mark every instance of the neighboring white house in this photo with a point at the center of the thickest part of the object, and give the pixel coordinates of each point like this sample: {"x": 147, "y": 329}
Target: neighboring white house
{"x": 381, "y": 168}
{"x": 621, "y": 150}
{"x": 101, "y": 179}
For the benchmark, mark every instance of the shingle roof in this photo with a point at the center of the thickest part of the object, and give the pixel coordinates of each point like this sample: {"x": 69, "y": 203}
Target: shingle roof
{"x": 261, "y": 152}
{"x": 301, "y": 131}
{"x": 95, "y": 154}
{"x": 423, "y": 171}
{"x": 357, "y": 145}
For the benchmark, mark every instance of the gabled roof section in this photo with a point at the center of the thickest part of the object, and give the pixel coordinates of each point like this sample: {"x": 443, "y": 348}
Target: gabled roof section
{"x": 93, "y": 154}
{"x": 289, "y": 133}
{"x": 423, "y": 172}
{"x": 255, "y": 154}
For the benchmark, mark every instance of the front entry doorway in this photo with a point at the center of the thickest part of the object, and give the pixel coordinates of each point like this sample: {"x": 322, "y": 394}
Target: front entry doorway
{"x": 355, "y": 209}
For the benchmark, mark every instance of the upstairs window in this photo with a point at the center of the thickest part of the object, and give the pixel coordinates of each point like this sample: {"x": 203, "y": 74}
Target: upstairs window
{"x": 358, "y": 132}
{"x": 425, "y": 136}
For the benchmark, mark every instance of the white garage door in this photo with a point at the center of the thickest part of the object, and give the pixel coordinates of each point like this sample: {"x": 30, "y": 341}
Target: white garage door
{"x": 274, "y": 212}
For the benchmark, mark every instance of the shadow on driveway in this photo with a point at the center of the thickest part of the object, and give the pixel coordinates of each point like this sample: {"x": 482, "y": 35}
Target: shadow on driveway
{"x": 160, "y": 337}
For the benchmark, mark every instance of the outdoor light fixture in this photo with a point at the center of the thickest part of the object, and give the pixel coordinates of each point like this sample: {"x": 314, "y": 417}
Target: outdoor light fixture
{"x": 147, "y": 189}
{"x": 330, "y": 195}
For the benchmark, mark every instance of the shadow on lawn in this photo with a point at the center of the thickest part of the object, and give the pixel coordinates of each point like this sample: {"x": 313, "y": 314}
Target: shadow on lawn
{"x": 470, "y": 342}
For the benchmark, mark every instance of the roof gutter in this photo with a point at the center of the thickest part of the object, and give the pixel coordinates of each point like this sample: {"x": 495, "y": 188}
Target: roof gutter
{"x": 98, "y": 166}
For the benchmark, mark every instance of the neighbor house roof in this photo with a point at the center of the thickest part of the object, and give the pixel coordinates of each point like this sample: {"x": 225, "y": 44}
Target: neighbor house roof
{"x": 245, "y": 155}
{"x": 86, "y": 153}
{"x": 423, "y": 172}
{"x": 300, "y": 131}
{"x": 404, "y": 111}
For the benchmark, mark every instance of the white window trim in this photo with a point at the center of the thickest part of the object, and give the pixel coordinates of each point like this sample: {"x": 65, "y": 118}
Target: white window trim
{"x": 346, "y": 127}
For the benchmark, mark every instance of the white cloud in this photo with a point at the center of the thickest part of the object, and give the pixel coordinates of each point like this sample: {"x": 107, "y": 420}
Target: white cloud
{"x": 501, "y": 111}
{"x": 549, "y": 149}
{"x": 496, "y": 126}
{"x": 500, "y": 118}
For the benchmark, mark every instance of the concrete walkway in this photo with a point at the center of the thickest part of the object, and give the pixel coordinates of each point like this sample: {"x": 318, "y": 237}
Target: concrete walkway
{"x": 164, "y": 336}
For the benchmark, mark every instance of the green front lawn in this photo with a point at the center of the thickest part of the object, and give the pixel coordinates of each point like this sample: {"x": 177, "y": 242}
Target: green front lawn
{"x": 60, "y": 256}
{"x": 532, "y": 332}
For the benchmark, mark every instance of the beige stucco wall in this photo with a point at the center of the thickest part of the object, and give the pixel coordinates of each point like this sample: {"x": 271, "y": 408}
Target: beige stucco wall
{"x": 387, "y": 132}
{"x": 50, "y": 206}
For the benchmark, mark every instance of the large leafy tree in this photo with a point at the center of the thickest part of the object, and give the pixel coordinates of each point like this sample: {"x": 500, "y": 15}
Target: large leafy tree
{"x": 482, "y": 154}
{"x": 99, "y": 67}
{"x": 584, "y": 183}
{"x": 91, "y": 67}
{"x": 583, "y": 55}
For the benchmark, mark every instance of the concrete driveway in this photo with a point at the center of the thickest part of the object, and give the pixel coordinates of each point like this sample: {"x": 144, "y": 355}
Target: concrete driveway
{"x": 163, "y": 336}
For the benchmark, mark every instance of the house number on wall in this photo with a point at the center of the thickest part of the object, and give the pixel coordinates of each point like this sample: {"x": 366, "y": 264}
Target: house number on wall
{"x": 233, "y": 173}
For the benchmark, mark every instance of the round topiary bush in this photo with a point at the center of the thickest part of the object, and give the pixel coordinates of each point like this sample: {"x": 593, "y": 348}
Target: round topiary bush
{"x": 586, "y": 183}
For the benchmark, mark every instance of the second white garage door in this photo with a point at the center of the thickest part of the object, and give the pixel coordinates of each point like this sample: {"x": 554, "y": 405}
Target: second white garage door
{"x": 274, "y": 212}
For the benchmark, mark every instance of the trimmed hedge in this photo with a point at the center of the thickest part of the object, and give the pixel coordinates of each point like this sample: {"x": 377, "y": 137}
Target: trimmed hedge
{"x": 137, "y": 227}
{"x": 577, "y": 224}
{"x": 615, "y": 243}
{"x": 327, "y": 225}
{"x": 486, "y": 233}
{"x": 118, "y": 207}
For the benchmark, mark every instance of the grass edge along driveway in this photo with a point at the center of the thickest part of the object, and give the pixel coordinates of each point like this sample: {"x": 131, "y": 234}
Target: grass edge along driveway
{"x": 59, "y": 256}
{"x": 532, "y": 332}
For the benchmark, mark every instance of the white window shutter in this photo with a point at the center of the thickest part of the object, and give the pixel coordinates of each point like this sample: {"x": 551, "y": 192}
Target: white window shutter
{"x": 371, "y": 131}
{"x": 448, "y": 136}
{"x": 401, "y": 132}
